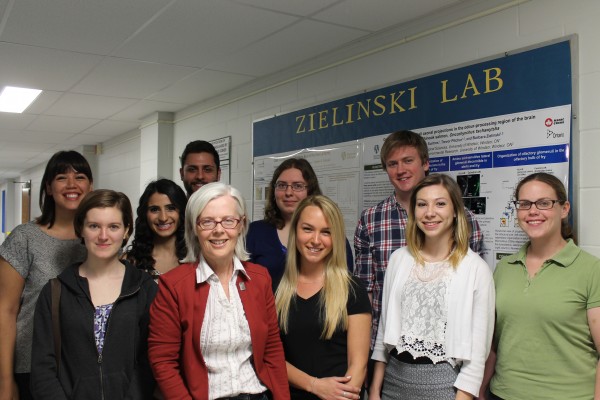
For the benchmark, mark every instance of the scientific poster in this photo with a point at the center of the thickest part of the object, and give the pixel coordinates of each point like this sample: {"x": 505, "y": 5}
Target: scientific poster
{"x": 488, "y": 125}
{"x": 487, "y": 157}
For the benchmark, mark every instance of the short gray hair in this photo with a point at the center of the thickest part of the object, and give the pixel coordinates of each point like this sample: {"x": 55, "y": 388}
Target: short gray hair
{"x": 196, "y": 204}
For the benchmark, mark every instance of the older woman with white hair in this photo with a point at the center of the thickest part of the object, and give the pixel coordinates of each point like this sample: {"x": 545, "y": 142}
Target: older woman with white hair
{"x": 213, "y": 325}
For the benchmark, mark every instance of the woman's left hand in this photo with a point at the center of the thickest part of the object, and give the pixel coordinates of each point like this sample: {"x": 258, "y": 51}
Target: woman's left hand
{"x": 335, "y": 387}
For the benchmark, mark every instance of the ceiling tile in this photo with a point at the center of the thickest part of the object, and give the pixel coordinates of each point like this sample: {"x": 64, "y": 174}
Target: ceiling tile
{"x": 50, "y": 123}
{"x": 35, "y": 146}
{"x": 41, "y": 68}
{"x": 43, "y": 102}
{"x": 25, "y": 137}
{"x": 144, "y": 108}
{"x": 131, "y": 79}
{"x": 367, "y": 15}
{"x": 297, "y": 43}
{"x": 11, "y": 121}
{"x": 86, "y": 26}
{"x": 303, "y": 8}
{"x": 200, "y": 86}
{"x": 12, "y": 155}
{"x": 88, "y": 106}
{"x": 197, "y": 32}
{"x": 108, "y": 128}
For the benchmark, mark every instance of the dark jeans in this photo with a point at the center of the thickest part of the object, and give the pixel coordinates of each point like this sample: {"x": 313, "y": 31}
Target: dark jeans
{"x": 22, "y": 381}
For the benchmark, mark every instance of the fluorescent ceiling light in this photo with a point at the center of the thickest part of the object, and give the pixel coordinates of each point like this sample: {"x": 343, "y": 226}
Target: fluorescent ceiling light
{"x": 16, "y": 100}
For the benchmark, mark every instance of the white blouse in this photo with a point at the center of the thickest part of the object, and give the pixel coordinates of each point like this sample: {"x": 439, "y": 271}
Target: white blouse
{"x": 424, "y": 311}
{"x": 470, "y": 315}
{"x": 225, "y": 341}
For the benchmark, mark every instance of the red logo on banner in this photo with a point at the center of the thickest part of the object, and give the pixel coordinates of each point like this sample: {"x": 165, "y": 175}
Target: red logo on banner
{"x": 548, "y": 122}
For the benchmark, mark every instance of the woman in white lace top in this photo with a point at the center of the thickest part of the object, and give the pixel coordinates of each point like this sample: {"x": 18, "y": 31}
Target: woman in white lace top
{"x": 437, "y": 314}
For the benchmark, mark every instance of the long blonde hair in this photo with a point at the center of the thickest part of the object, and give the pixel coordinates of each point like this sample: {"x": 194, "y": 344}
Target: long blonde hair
{"x": 415, "y": 238}
{"x": 337, "y": 282}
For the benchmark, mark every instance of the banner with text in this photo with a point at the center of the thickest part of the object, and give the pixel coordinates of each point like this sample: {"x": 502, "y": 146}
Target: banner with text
{"x": 488, "y": 125}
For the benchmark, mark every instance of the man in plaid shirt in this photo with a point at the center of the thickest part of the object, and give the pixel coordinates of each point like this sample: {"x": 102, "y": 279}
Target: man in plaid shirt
{"x": 380, "y": 229}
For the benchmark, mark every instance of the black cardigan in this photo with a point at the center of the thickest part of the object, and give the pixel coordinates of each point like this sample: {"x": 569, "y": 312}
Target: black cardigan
{"x": 122, "y": 372}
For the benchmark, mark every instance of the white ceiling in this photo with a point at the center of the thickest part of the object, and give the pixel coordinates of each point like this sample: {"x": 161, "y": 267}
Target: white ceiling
{"x": 104, "y": 65}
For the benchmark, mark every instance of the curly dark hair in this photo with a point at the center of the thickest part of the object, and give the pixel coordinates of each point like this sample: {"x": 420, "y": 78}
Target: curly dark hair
{"x": 140, "y": 251}
{"x": 272, "y": 212}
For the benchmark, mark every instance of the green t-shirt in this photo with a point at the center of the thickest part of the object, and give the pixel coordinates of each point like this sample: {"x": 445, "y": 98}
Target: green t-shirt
{"x": 544, "y": 345}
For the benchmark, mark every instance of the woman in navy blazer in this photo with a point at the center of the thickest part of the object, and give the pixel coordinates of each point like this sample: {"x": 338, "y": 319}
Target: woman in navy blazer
{"x": 192, "y": 355}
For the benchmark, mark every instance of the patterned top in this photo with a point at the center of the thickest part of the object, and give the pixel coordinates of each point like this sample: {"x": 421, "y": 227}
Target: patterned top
{"x": 379, "y": 232}
{"x": 101, "y": 315}
{"x": 37, "y": 257}
{"x": 425, "y": 312}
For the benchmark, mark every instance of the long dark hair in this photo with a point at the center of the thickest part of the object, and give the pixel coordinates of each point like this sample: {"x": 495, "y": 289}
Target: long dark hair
{"x": 140, "y": 251}
{"x": 60, "y": 162}
{"x": 272, "y": 212}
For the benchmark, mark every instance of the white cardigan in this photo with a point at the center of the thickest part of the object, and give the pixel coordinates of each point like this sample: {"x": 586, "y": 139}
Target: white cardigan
{"x": 470, "y": 324}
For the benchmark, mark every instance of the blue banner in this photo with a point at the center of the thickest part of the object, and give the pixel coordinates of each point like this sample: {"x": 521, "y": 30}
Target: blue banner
{"x": 533, "y": 155}
{"x": 530, "y": 80}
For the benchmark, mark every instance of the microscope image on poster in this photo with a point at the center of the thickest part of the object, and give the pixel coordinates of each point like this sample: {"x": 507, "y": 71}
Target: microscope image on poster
{"x": 470, "y": 188}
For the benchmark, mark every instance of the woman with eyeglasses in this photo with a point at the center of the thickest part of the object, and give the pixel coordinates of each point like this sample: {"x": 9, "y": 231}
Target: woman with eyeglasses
{"x": 547, "y": 305}
{"x": 213, "y": 325}
{"x": 293, "y": 181}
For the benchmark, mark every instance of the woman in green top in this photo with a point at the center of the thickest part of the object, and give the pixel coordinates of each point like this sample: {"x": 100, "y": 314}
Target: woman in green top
{"x": 547, "y": 305}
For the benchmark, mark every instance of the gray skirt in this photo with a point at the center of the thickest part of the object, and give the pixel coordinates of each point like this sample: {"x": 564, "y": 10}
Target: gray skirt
{"x": 404, "y": 381}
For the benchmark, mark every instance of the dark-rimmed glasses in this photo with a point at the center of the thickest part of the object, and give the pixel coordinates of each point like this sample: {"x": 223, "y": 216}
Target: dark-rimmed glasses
{"x": 210, "y": 224}
{"x": 296, "y": 186}
{"x": 542, "y": 204}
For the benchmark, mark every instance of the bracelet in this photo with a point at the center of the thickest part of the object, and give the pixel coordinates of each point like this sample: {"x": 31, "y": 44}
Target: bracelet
{"x": 312, "y": 384}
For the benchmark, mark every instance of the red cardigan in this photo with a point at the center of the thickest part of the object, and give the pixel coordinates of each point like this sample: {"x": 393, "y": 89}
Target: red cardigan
{"x": 176, "y": 320}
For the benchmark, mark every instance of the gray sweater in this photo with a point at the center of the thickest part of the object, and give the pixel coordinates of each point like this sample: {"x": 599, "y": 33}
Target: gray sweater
{"x": 37, "y": 257}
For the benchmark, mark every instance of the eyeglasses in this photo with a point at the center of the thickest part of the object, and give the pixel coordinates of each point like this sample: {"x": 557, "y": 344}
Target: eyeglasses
{"x": 210, "y": 224}
{"x": 296, "y": 186}
{"x": 542, "y": 204}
